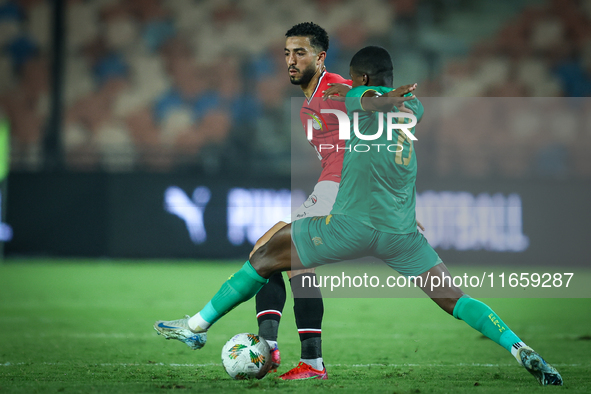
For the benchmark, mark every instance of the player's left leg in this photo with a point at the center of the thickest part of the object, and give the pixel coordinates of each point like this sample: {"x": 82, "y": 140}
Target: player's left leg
{"x": 308, "y": 309}
{"x": 321, "y": 240}
{"x": 275, "y": 256}
{"x": 411, "y": 255}
{"x": 269, "y": 303}
{"x": 308, "y": 305}
{"x": 482, "y": 318}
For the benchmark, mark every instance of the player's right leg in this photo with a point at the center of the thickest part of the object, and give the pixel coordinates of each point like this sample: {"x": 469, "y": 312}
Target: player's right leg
{"x": 275, "y": 256}
{"x": 180, "y": 330}
{"x": 269, "y": 302}
{"x": 482, "y": 318}
{"x": 308, "y": 305}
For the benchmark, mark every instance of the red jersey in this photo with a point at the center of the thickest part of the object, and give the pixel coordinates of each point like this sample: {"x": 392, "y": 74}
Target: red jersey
{"x": 325, "y": 127}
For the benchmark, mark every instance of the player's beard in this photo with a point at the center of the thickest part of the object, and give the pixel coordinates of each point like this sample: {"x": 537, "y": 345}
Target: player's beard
{"x": 306, "y": 77}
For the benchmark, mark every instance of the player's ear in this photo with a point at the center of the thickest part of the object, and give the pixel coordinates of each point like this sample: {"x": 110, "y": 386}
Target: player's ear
{"x": 321, "y": 58}
{"x": 365, "y": 80}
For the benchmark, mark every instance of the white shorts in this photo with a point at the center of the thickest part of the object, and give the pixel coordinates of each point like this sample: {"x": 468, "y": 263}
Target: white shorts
{"x": 319, "y": 203}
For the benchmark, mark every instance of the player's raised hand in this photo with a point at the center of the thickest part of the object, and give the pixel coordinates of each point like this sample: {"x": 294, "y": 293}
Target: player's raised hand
{"x": 402, "y": 90}
{"x": 403, "y": 108}
{"x": 336, "y": 92}
{"x": 398, "y": 96}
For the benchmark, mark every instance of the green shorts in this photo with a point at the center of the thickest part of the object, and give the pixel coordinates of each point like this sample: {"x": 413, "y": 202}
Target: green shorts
{"x": 329, "y": 239}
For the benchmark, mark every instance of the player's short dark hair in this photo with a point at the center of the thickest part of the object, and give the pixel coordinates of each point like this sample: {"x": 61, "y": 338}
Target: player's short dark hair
{"x": 375, "y": 62}
{"x": 317, "y": 35}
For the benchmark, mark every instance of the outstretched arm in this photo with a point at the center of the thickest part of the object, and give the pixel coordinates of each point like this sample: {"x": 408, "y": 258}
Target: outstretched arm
{"x": 336, "y": 92}
{"x": 372, "y": 101}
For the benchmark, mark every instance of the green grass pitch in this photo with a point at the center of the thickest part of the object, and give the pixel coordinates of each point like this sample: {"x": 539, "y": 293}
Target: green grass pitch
{"x": 86, "y": 326}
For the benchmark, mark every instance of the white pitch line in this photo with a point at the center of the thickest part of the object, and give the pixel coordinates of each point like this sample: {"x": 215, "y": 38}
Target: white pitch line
{"x": 10, "y": 364}
{"x": 152, "y": 334}
{"x": 98, "y": 335}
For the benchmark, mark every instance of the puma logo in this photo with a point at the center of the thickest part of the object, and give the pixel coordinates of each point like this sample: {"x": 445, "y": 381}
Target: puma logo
{"x": 190, "y": 210}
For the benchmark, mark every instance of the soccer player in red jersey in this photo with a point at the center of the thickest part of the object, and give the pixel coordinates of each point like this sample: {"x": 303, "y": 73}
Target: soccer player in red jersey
{"x": 305, "y": 51}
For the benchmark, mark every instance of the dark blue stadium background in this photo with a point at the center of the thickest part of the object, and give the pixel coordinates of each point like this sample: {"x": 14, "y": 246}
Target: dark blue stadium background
{"x": 123, "y": 216}
{"x": 112, "y": 102}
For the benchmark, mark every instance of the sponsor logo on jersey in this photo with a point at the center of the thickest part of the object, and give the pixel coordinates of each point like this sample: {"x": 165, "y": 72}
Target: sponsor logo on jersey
{"x": 315, "y": 122}
{"x": 310, "y": 201}
{"x": 317, "y": 241}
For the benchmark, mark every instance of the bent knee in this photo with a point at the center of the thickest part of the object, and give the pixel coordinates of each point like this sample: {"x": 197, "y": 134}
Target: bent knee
{"x": 293, "y": 273}
{"x": 264, "y": 263}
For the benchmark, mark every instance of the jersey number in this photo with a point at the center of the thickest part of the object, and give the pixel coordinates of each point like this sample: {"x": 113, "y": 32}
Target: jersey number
{"x": 401, "y": 138}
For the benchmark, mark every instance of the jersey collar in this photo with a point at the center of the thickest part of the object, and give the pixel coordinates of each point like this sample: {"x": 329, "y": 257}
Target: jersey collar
{"x": 317, "y": 86}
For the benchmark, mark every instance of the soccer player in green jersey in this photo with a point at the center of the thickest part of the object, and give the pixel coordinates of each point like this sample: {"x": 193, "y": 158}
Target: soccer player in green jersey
{"x": 373, "y": 215}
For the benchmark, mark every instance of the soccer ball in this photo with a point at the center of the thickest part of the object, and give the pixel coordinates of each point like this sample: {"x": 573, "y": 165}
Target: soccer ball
{"x": 246, "y": 356}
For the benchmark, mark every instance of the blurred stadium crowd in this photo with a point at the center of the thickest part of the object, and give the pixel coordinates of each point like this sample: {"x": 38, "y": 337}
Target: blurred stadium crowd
{"x": 177, "y": 85}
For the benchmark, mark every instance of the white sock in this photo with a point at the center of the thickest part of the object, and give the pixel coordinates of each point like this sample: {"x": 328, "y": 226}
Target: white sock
{"x": 198, "y": 324}
{"x": 515, "y": 350}
{"x": 315, "y": 363}
{"x": 272, "y": 344}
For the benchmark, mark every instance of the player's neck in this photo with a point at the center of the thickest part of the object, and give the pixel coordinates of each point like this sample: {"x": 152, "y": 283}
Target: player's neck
{"x": 310, "y": 87}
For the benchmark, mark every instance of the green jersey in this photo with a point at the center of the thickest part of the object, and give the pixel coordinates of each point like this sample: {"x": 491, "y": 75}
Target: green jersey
{"x": 378, "y": 177}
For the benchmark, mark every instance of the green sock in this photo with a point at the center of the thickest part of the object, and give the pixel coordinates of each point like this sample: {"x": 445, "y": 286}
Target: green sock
{"x": 240, "y": 287}
{"x": 479, "y": 316}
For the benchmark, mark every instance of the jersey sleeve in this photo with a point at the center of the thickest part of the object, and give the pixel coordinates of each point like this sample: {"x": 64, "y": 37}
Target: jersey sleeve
{"x": 416, "y": 107}
{"x": 353, "y": 99}
{"x": 335, "y": 78}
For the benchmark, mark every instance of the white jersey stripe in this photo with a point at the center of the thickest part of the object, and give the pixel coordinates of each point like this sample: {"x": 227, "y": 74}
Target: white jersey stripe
{"x": 268, "y": 312}
{"x": 317, "y": 86}
{"x": 305, "y": 330}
